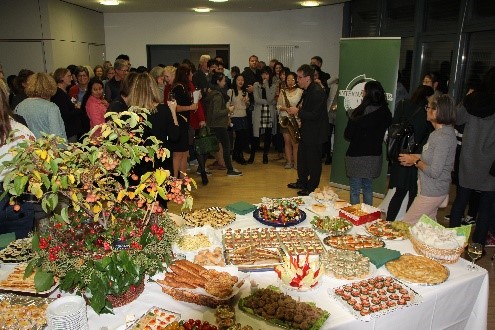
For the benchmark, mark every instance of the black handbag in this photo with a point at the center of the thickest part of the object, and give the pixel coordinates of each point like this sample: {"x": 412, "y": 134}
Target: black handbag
{"x": 400, "y": 139}
{"x": 206, "y": 141}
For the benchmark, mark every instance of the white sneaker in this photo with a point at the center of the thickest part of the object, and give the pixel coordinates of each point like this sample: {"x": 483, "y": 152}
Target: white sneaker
{"x": 234, "y": 173}
{"x": 288, "y": 166}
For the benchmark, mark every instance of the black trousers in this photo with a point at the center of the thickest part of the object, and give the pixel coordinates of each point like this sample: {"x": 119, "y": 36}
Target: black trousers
{"x": 396, "y": 201}
{"x": 309, "y": 165}
{"x": 223, "y": 137}
{"x": 241, "y": 141}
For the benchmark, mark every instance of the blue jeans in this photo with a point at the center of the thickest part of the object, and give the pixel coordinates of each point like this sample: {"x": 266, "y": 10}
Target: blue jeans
{"x": 366, "y": 184}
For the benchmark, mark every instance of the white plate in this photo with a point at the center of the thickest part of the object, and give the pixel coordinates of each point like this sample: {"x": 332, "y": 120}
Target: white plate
{"x": 66, "y": 306}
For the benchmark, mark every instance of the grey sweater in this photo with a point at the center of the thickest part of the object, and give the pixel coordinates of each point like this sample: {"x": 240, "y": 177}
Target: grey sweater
{"x": 478, "y": 151}
{"x": 438, "y": 155}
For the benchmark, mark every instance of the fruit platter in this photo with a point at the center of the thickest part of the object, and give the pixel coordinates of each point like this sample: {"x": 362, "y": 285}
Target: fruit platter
{"x": 279, "y": 213}
{"x": 331, "y": 225}
{"x": 299, "y": 273}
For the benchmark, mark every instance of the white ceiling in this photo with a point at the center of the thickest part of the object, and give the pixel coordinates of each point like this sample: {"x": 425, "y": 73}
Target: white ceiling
{"x": 129, "y": 6}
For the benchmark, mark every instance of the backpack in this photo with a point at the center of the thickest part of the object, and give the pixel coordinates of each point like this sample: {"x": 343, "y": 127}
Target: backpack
{"x": 400, "y": 139}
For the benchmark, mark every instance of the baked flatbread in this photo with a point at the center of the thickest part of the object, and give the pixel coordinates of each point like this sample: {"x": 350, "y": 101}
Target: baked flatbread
{"x": 418, "y": 269}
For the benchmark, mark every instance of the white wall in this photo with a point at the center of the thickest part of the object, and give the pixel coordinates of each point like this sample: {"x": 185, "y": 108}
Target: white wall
{"x": 315, "y": 30}
{"x": 43, "y": 35}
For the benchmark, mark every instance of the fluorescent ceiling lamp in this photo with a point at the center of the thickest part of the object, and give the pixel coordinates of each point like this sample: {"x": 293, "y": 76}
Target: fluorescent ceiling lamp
{"x": 219, "y": 0}
{"x": 109, "y": 2}
{"x": 202, "y": 10}
{"x": 310, "y": 3}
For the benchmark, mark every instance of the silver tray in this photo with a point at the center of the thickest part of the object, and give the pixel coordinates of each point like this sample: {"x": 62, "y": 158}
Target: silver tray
{"x": 14, "y": 299}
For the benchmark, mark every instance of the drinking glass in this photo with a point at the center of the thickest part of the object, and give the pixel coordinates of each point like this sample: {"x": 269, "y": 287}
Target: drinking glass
{"x": 474, "y": 251}
{"x": 171, "y": 97}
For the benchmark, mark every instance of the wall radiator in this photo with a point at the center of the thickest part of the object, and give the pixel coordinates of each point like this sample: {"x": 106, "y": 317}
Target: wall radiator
{"x": 283, "y": 53}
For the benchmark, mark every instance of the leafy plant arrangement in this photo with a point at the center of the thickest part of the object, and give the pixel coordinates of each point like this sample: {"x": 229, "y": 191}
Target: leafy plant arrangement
{"x": 113, "y": 232}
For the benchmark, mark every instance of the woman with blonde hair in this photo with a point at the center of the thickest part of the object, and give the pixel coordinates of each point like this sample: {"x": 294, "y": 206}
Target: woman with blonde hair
{"x": 17, "y": 218}
{"x": 40, "y": 114}
{"x": 157, "y": 74}
{"x": 143, "y": 93}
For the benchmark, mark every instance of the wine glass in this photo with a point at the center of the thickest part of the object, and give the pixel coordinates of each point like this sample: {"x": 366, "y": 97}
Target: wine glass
{"x": 474, "y": 251}
{"x": 171, "y": 97}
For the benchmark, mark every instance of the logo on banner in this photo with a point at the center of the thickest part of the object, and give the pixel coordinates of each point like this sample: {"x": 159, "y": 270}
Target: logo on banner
{"x": 353, "y": 93}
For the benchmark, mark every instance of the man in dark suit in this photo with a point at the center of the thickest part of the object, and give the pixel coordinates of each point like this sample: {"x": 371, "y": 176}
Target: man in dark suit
{"x": 314, "y": 120}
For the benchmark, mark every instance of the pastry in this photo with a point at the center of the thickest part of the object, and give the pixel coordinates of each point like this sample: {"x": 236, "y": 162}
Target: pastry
{"x": 418, "y": 269}
{"x": 353, "y": 242}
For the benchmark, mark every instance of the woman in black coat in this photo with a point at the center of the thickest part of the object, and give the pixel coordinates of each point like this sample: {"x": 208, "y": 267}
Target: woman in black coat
{"x": 365, "y": 131}
{"x": 404, "y": 178}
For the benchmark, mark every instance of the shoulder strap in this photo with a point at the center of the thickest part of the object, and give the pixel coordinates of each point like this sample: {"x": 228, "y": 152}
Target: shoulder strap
{"x": 414, "y": 113}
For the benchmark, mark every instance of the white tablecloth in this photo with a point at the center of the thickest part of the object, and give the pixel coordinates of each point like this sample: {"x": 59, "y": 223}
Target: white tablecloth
{"x": 459, "y": 303}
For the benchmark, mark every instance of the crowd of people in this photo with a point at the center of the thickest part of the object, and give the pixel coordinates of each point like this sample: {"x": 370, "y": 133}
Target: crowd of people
{"x": 292, "y": 111}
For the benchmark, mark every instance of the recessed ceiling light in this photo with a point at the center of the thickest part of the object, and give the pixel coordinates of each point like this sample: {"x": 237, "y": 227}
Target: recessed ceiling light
{"x": 202, "y": 10}
{"x": 310, "y": 3}
{"x": 109, "y": 2}
{"x": 219, "y": 0}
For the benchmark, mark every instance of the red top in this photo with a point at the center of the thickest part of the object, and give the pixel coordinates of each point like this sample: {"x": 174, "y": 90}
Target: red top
{"x": 195, "y": 117}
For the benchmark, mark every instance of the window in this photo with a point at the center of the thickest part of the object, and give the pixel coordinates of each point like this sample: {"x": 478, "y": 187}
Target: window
{"x": 364, "y": 15}
{"x": 480, "y": 58}
{"x": 442, "y": 16}
{"x": 399, "y": 17}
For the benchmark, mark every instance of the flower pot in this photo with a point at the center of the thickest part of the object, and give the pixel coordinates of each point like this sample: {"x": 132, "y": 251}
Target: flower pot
{"x": 126, "y": 297}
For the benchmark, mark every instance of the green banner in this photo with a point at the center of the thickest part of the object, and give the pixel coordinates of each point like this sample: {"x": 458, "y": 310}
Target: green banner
{"x": 362, "y": 60}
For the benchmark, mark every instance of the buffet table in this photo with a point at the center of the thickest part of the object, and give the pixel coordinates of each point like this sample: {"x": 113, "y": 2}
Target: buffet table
{"x": 459, "y": 303}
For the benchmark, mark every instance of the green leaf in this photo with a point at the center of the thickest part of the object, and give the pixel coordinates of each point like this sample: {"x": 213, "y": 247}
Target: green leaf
{"x": 70, "y": 280}
{"x": 125, "y": 166}
{"x": 52, "y": 200}
{"x": 98, "y": 301}
{"x": 43, "y": 280}
{"x": 161, "y": 192}
{"x": 106, "y": 261}
{"x": 64, "y": 181}
{"x": 45, "y": 180}
{"x": 124, "y": 138}
{"x": 35, "y": 243}
{"x": 112, "y": 148}
{"x": 54, "y": 166}
{"x": 19, "y": 184}
{"x": 64, "y": 214}
{"x": 113, "y": 136}
{"x": 30, "y": 268}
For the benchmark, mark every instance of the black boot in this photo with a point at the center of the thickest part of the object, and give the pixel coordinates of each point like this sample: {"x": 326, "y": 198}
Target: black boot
{"x": 265, "y": 159}
{"x": 251, "y": 157}
{"x": 204, "y": 178}
{"x": 239, "y": 158}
